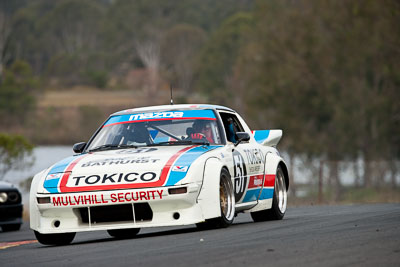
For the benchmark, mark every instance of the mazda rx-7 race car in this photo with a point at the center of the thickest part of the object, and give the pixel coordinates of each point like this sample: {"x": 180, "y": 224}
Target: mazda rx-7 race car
{"x": 161, "y": 166}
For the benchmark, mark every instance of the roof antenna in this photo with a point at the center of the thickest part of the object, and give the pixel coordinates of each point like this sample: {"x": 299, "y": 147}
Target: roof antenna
{"x": 172, "y": 101}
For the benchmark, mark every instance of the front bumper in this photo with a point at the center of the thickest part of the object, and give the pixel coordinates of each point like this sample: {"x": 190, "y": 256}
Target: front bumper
{"x": 117, "y": 209}
{"x": 11, "y": 214}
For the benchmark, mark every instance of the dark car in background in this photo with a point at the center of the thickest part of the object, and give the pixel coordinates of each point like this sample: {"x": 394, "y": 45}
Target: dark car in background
{"x": 10, "y": 207}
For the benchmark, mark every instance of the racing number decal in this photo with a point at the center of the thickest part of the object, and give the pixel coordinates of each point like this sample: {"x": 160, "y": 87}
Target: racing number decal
{"x": 240, "y": 180}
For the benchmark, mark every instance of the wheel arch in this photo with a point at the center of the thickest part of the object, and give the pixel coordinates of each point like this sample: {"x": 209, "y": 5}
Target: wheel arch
{"x": 208, "y": 197}
{"x": 285, "y": 173}
{"x": 272, "y": 163}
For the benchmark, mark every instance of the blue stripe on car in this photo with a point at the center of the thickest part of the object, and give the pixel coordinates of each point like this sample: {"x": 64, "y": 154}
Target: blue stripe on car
{"x": 185, "y": 160}
{"x": 267, "y": 193}
{"x": 51, "y": 185}
{"x": 261, "y": 135}
{"x": 253, "y": 194}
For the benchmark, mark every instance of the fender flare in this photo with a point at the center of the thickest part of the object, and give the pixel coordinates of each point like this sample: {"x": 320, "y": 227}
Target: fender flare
{"x": 208, "y": 198}
{"x": 272, "y": 162}
{"x": 33, "y": 209}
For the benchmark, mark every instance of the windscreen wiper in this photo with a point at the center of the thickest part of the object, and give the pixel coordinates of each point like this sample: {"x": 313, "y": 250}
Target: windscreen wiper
{"x": 181, "y": 142}
{"x": 111, "y": 146}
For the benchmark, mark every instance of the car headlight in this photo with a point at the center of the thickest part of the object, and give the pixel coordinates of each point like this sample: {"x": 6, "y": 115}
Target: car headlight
{"x": 3, "y": 197}
{"x": 13, "y": 196}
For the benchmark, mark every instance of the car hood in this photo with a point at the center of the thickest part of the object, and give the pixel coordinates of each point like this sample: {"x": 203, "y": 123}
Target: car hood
{"x": 123, "y": 169}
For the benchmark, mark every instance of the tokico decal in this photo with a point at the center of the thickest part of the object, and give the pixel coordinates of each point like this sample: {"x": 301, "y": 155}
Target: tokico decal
{"x": 114, "y": 178}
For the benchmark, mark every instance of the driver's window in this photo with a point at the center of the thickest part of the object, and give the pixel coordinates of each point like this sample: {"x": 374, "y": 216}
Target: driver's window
{"x": 231, "y": 125}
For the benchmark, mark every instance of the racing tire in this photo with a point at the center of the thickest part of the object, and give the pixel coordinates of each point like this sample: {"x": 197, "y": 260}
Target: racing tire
{"x": 279, "y": 201}
{"x": 55, "y": 239}
{"x": 227, "y": 204}
{"x": 123, "y": 233}
{"x": 11, "y": 227}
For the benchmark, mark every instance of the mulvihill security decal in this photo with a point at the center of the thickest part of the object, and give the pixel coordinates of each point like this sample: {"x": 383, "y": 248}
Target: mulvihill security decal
{"x": 91, "y": 199}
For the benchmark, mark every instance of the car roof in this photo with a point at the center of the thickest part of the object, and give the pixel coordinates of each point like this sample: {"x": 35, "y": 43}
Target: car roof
{"x": 6, "y": 185}
{"x": 171, "y": 107}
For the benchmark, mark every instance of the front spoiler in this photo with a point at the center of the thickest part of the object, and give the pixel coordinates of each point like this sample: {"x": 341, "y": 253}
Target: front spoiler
{"x": 61, "y": 215}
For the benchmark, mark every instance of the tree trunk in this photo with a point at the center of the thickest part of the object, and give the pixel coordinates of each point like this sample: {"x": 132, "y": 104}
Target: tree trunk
{"x": 334, "y": 177}
{"x": 320, "y": 181}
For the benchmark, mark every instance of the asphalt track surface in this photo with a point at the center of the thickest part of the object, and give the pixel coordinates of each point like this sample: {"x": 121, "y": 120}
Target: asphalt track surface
{"x": 356, "y": 235}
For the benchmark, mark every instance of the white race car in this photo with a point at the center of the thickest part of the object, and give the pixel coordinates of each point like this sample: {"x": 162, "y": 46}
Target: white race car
{"x": 161, "y": 166}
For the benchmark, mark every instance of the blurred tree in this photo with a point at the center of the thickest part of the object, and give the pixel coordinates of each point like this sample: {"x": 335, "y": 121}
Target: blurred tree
{"x": 5, "y": 30}
{"x": 328, "y": 82}
{"x": 218, "y": 57}
{"x": 17, "y": 93}
{"x": 179, "y": 49}
{"x": 72, "y": 33}
{"x": 14, "y": 151}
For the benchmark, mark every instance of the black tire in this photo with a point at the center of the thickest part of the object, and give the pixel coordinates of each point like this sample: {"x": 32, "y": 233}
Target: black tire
{"x": 123, "y": 233}
{"x": 279, "y": 201}
{"x": 227, "y": 204}
{"x": 55, "y": 239}
{"x": 11, "y": 227}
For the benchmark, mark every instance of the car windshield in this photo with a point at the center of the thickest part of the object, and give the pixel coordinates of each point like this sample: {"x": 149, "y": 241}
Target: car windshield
{"x": 165, "y": 128}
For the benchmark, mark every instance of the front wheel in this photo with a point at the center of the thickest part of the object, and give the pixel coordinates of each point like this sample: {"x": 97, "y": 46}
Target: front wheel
{"x": 55, "y": 239}
{"x": 279, "y": 201}
{"x": 227, "y": 204}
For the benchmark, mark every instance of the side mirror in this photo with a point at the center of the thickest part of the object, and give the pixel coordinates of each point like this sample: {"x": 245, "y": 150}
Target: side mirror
{"x": 242, "y": 136}
{"x": 78, "y": 147}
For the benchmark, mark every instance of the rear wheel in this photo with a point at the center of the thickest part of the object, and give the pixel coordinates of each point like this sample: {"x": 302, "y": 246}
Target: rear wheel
{"x": 55, "y": 239}
{"x": 227, "y": 204}
{"x": 279, "y": 201}
{"x": 123, "y": 233}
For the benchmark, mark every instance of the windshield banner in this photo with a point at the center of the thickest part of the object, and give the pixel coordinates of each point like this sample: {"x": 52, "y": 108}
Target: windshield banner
{"x": 206, "y": 114}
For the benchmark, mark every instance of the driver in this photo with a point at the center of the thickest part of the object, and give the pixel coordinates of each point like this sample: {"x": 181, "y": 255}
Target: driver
{"x": 138, "y": 133}
{"x": 202, "y": 129}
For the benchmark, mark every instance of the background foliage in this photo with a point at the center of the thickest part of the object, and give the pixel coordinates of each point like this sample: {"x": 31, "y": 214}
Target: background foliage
{"x": 326, "y": 72}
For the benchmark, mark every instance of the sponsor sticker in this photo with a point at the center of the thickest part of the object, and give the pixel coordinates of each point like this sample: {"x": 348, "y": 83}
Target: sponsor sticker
{"x": 156, "y": 115}
{"x": 112, "y": 178}
{"x": 90, "y": 199}
{"x": 119, "y": 161}
{"x": 180, "y": 168}
{"x": 54, "y": 176}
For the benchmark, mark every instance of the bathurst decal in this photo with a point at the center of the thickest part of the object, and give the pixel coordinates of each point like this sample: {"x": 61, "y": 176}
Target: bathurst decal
{"x": 119, "y": 161}
{"x": 91, "y": 199}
